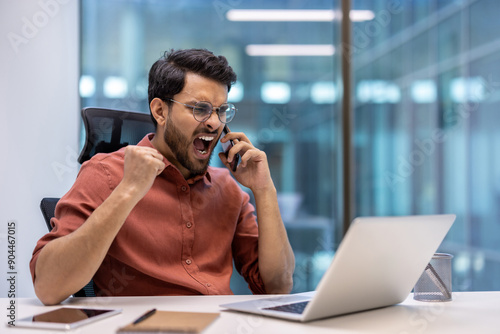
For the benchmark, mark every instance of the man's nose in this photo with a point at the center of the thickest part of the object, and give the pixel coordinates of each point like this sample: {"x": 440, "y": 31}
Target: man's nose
{"x": 213, "y": 122}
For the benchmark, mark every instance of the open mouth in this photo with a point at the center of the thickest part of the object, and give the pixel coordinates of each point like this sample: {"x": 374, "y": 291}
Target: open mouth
{"x": 202, "y": 144}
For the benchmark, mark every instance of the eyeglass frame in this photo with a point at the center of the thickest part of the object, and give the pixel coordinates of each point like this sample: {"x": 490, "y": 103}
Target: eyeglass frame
{"x": 217, "y": 109}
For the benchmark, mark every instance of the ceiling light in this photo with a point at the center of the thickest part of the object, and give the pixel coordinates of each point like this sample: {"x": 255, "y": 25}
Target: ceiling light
{"x": 279, "y": 15}
{"x": 323, "y": 92}
{"x": 236, "y": 93}
{"x": 275, "y": 92}
{"x": 361, "y": 15}
{"x": 423, "y": 91}
{"x": 115, "y": 87}
{"x": 467, "y": 89}
{"x": 87, "y": 86}
{"x": 296, "y": 15}
{"x": 290, "y": 50}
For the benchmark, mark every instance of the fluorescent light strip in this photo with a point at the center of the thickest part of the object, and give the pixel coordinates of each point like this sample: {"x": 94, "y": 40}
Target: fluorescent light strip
{"x": 280, "y": 15}
{"x": 361, "y": 15}
{"x": 295, "y": 15}
{"x": 290, "y": 50}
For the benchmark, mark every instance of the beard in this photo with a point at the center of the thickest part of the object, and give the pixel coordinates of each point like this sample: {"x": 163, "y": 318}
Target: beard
{"x": 181, "y": 145}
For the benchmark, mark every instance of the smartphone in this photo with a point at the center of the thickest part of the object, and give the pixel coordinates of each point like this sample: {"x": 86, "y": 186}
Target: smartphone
{"x": 227, "y": 146}
{"x": 66, "y": 318}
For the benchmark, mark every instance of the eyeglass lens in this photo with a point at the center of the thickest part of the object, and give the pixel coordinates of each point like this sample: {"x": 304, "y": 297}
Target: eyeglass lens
{"x": 203, "y": 110}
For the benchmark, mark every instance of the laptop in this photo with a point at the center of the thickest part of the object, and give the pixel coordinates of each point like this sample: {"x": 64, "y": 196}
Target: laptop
{"x": 376, "y": 265}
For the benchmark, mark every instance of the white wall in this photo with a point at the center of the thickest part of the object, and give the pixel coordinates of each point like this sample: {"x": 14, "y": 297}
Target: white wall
{"x": 39, "y": 121}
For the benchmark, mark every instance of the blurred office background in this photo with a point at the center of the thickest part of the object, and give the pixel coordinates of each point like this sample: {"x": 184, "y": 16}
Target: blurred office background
{"x": 425, "y": 94}
{"x": 426, "y": 85}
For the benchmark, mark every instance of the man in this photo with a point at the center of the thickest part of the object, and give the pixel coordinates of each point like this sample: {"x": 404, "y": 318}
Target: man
{"x": 155, "y": 219}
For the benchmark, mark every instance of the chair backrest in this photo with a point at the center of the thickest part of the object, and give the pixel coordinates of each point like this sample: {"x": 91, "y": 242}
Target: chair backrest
{"x": 108, "y": 130}
{"x": 48, "y": 207}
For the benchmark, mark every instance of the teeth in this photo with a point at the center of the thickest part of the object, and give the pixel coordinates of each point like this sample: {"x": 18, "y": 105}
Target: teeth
{"x": 207, "y": 139}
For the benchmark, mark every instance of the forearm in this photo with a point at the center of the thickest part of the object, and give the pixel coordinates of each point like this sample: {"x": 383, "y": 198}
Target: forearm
{"x": 66, "y": 264}
{"x": 276, "y": 259}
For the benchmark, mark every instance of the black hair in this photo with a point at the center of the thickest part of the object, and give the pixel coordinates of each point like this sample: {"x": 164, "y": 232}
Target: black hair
{"x": 167, "y": 75}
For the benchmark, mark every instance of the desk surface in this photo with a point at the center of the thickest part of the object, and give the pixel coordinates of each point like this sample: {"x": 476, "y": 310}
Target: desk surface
{"x": 469, "y": 312}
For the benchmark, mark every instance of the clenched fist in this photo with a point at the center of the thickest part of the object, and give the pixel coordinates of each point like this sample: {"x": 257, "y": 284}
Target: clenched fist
{"x": 142, "y": 166}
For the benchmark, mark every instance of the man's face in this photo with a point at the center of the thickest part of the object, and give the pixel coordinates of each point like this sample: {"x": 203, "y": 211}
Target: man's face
{"x": 191, "y": 142}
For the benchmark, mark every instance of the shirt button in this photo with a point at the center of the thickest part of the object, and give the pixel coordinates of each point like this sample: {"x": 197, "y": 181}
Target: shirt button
{"x": 188, "y": 261}
{"x": 189, "y": 225}
{"x": 183, "y": 188}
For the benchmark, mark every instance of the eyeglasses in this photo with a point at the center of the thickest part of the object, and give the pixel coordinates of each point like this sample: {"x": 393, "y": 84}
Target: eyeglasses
{"x": 203, "y": 110}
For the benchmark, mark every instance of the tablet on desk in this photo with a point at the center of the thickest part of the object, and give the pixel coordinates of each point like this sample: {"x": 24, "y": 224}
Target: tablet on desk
{"x": 66, "y": 318}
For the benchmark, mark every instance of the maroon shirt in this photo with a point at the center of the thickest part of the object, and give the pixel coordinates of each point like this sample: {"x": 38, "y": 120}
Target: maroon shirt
{"x": 180, "y": 239}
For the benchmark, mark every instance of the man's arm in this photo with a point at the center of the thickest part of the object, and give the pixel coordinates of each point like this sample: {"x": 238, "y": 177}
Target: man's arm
{"x": 66, "y": 264}
{"x": 276, "y": 259}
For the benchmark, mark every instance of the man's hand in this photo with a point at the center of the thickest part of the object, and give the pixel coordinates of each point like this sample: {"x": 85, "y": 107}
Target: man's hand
{"x": 142, "y": 166}
{"x": 253, "y": 170}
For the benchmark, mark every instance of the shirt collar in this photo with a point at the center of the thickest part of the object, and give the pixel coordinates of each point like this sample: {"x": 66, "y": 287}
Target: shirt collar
{"x": 146, "y": 141}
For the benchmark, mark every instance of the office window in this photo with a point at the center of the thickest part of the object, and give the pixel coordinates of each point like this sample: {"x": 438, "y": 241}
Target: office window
{"x": 435, "y": 146}
{"x": 288, "y": 92}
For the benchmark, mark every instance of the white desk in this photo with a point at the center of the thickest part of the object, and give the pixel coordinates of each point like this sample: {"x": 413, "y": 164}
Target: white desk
{"x": 469, "y": 312}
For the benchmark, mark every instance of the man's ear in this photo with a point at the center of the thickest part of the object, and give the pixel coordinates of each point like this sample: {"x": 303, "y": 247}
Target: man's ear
{"x": 159, "y": 110}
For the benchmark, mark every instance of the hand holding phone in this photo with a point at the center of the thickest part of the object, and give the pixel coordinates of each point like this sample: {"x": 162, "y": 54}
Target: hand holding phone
{"x": 227, "y": 146}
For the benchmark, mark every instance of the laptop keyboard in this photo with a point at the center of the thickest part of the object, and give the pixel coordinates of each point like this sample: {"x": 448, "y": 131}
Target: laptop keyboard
{"x": 297, "y": 308}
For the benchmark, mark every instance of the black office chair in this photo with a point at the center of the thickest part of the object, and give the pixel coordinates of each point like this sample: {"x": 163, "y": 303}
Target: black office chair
{"x": 48, "y": 207}
{"x": 106, "y": 130}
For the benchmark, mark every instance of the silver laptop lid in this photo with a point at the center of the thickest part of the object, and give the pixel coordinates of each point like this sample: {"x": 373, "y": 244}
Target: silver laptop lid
{"x": 378, "y": 262}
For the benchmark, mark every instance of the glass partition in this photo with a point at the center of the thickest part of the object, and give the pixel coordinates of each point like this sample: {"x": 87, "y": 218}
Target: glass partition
{"x": 427, "y": 81}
